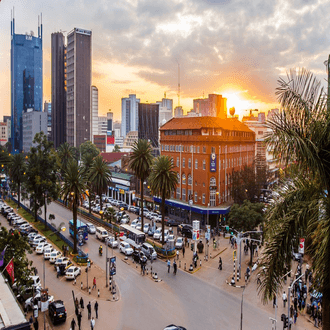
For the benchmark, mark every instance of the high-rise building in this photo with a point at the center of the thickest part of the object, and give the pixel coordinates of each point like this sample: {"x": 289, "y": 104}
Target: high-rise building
{"x": 165, "y": 110}
{"x": 149, "y": 123}
{"x": 110, "y": 121}
{"x": 48, "y": 110}
{"x": 95, "y": 111}
{"x": 178, "y": 111}
{"x": 215, "y": 106}
{"x": 129, "y": 114}
{"x": 79, "y": 79}
{"x": 26, "y": 80}
{"x": 102, "y": 125}
{"x": 58, "y": 132}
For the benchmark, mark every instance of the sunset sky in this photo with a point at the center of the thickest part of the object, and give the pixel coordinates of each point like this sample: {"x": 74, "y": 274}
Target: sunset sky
{"x": 234, "y": 48}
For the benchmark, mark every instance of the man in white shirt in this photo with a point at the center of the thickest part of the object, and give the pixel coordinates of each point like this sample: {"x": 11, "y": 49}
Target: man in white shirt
{"x": 284, "y": 298}
{"x": 92, "y": 323}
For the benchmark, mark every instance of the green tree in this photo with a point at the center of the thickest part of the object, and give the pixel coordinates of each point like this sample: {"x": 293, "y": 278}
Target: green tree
{"x": 300, "y": 135}
{"x": 100, "y": 176}
{"x": 109, "y": 214}
{"x": 42, "y": 180}
{"x": 65, "y": 152}
{"x": 4, "y": 159}
{"x": 246, "y": 217}
{"x": 17, "y": 247}
{"x": 163, "y": 180}
{"x": 87, "y": 161}
{"x": 17, "y": 172}
{"x": 141, "y": 161}
{"x": 88, "y": 148}
{"x": 116, "y": 148}
{"x": 72, "y": 191}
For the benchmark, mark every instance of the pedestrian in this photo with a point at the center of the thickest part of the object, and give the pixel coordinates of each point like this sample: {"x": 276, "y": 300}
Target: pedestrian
{"x": 92, "y": 323}
{"x": 274, "y": 301}
{"x": 185, "y": 241}
{"x": 96, "y": 308}
{"x": 174, "y": 267}
{"x": 36, "y": 324}
{"x": 295, "y": 315}
{"x": 31, "y": 320}
{"x": 79, "y": 320}
{"x": 89, "y": 309}
{"x": 94, "y": 283}
{"x": 141, "y": 268}
{"x": 177, "y": 254}
{"x": 291, "y": 311}
{"x": 168, "y": 265}
{"x": 183, "y": 250}
{"x": 81, "y": 303}
{"x": 73, "y": 324}
{"x": 220, "y": 263}
{"x": 285, "y": 298}
{"x": 58, "y": 270}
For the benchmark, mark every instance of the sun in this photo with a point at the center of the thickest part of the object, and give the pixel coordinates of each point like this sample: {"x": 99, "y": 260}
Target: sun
{"x": 235, "y": 99}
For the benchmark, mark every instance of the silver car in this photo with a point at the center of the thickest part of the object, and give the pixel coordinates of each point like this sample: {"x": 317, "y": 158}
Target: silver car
{"x": 90, "y": 227}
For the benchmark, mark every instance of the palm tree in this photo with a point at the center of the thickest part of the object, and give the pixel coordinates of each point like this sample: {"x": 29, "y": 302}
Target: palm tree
{"x": 163, "y": 180}
{"x": 300, "y": 136}
{"x": 88, "y": 159}
{"x": 65, "y": 152}
{"x": 100, "y": 176}
{"x": 140, "y": 163}
{"x": 17, "y": 171}
{"x": 110, "y": 214}
{"x": 73, "y": 189}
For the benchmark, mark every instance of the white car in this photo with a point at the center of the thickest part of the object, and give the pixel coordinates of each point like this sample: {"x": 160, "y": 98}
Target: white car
{"x": 158, "y": 233}
{"x": 72, "y": 272}
{"x": 47, "y": 253}
{"x": 125, "y": 248}
{"x": 42, "y": 246}
{"x": 158, "y": 218}
{"x": 146, "y": 228}
{"x": 30, "y": 302}
{"x": 179, "y": 243}
{"x": 91, "y": 228}
{"x": 170, "y": 237}
{"x": 36, "y": 242}
{"x": 30, "y": 235}
{"x": 138, "y": 226}
{"x": 54, "y": 255}
{"x": 111, "y": 242}
{"x": 60, "y": 260}
{"x": 166, "y": 233}
{"x": 135, "y": 222}
{"x": 24, "y": 226}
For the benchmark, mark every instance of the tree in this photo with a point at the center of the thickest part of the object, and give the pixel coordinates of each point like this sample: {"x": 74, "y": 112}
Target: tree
{"x": 246, "y": 217}
{"x": 17, "y": 247}
{"x": 17, "y": 172}
{"x": 72, "y": 191}
{"x": 141, "y": 161}
{"x": 87, "y": 160}
{"x": 4, "y": 159}
{"x": 65, "y": 152}
{"x": 100, "y": 176}
{"x": 109, "y": 214}
{"x": 88, "y": 148}
{"x": 163, "y": 180}
{"x": 116, "y": 148}
{"x": 300, "y": 136}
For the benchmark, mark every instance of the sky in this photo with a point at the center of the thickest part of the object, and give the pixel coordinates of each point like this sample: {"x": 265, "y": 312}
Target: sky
{"x": 235, "y": 48}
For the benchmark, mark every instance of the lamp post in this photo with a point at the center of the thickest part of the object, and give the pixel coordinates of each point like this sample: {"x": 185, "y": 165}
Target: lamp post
{"x": 46, "y": 194}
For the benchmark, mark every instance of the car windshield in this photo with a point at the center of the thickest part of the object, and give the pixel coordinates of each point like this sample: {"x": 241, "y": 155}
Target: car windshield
{"x": 179, "y": 240}
{"x": 158, "y": 231}
{"x": 70, "y": 270}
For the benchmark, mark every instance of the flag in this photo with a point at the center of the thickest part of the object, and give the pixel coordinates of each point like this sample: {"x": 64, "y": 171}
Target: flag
{"x": 2, "y": 255}
{"x": 10, "y": 269}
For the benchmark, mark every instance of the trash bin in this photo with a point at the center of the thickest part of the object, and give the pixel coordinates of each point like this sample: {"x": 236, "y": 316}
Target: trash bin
{"x": 192, "y": 246}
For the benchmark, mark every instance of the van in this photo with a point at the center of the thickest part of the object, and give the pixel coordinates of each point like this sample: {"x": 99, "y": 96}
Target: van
{"x": 149, "y": 251}
{"x": 101, "y": 233}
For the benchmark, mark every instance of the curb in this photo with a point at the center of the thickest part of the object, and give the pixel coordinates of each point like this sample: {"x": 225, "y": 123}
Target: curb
{"x": 220, "y": 253}
{"x": 236, "y": 286}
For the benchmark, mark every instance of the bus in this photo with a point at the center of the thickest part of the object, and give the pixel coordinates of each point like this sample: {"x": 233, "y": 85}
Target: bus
{"x": 82, "y": 231}
{"x": 133, "y": 236}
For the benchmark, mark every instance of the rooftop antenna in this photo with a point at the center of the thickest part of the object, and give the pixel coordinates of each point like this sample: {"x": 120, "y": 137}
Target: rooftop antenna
{"x": 38, "y": 27}
{"x": 164, "y": 95}
{"x": 13, "y": 20}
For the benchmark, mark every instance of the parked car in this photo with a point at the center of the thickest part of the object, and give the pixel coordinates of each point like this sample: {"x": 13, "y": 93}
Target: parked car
{"x": 29, "y": 303}
{"x": 135, "y": 222}
{"x": 28, "y": 231}
{"x": 111, "y": 241}
{"x": 47, "y": 253}
{"x": 123, "y": 205}
{"x": 151, "y": 231}
{"x": 57, "y": 311}
{"x": 26, "y": 292}
{"x": 171, "y": 222}
{"x": 125, "y": 248}
{"x": 146, "y": 228}
{"x": 31, "y": 239}
{"x": 149, "y": 251}
{"x": 36, "y": 242}
{"x": 132, "y": 208}
{"x": 158, "y": 233}
{"x": 72, "y": 272}
{"x": 91, "y": 228}
{"x": 60, "y": 260}
{"x": 54, "y": 255}
{"x": 125, "y": 219}
{"x": 185, "y": 230}
{"x": 32, "y": 234}
{"x": 42, "y": 246}
{"x": 179, "y": 243}
{"x": 139, "y": 257}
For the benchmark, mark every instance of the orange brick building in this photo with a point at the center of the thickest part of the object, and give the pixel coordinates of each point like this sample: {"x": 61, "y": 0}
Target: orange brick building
{"x": 205, "y": 152}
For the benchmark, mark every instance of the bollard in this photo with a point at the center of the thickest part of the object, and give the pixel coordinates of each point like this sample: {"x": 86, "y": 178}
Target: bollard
{"x": 98, "y": 293}
{"x": 81, "y": 286}
{"x": 237, "y": 275}
{"x": 210, "y": 256}
{"x": 147, "y": 271}
{"x": 184, "y": 266}
{"x": 191, "y": 268}
{"x": 113, "y": 297}
{"x": 200, "y": 263}
{"x": 179, "y": 263}
{"x": 206, "y": 257}
{"x": 89, "y": 290}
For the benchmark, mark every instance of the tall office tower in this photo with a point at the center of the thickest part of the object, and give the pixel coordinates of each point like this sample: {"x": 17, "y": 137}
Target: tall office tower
{"x": 165, "y": 110}
{"x": 215, "y": 106}
{"x": 129, "y": 114}
{"x": 95, "y": 111}
{"x": 110, "y": 121}
{"x": 48, "y": 110}
{"x": 26, "y": 80}
{"x": 178, "y": 111}
{"x": 58, "y": 61}
{"x": 79, "y": 80}
{"x": 149, "y": 123}
{"x": 102, "y": 125}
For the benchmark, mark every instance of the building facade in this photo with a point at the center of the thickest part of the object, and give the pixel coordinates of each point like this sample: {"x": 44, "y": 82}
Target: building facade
{"x": 102, "y": 125}
{"x": 79, "y": 79}
{"x": 33, "y": 122}
{"x": 129, "y": 114}
{"x": 100, "y": 142}
{"x": 48, "y": 110}
{"x": 58, "y": 59}
{"x": 165, "y": 110}
{"x": 148, "y": 128}
{"x": 26, "y": 80}
{"x": 4, "y": 128}
{"x": 95, "y": 111}
{"x": 215, "y": 105}
{"x": 130, "y": 139}
{"x": 205, "y": 152}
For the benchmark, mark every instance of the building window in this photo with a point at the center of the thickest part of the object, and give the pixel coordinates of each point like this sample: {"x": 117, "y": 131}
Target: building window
{"x": 204, "y": 164}
{"x": 213, "y": 150}
{"x": 178, "y": 176}
{"x": 198, "y": 150}
{"x": 172, "y": 161}
{"x": 196, "y": 164}
{"x": 212, "y": 197}
{"x": 178, "y": 161}
{"x": 183, "y": 179}
{"x": 183, "y": 194}
{"x": 183, "y": 162}
{"x": 203, "y": 184}
{"x": 204, "y": 150}
{"x": 190, "y": 196}
{"x": 178, "y": 193}
{"x": 203, "y": 199}
{"x": 196, "y": 197}
{"x": 162, "y": 147}
{"x": 189, "y": 180}
{"x": 213, "y": 182}
{"x": 189, "y": 162}
{"x": 195, "y": 183}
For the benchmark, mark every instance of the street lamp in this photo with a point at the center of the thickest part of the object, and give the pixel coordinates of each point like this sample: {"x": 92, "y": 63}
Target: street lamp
{"x": 46, "y": 195}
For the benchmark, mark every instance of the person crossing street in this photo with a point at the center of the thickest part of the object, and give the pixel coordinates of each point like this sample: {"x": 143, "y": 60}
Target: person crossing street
{"x": 168, "y": 265}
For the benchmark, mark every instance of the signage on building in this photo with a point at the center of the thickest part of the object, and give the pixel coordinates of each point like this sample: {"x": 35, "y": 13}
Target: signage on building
{"x": 110, "y": 139}
{"x": 213, "y": 162}
{"x": 121, "y": 191}
{"x": 195, "y": 235}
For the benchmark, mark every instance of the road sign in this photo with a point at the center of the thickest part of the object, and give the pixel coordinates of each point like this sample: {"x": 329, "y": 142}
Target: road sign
{"x": 301, "y": 248}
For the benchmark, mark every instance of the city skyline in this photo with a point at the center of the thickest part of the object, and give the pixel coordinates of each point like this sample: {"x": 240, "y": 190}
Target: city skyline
{"x": 222, "y": 47}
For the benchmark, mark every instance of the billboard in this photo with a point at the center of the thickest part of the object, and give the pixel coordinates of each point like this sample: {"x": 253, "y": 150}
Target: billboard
{"x": 112, "y": 266}
{"x": 213, "y": 163}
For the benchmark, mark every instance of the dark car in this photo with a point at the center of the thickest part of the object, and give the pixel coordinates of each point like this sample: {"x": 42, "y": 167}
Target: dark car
{"x": 57, "y": 311}
{"x": 174, "y": 327}
{"x": 171, "y": 222}
{"x": 139, "y": 256}
{"x": 25, "y": 293}
{"x": 29, "y": 230}
{"x": 123, "y": 205}
{"x": 186, "y": 230}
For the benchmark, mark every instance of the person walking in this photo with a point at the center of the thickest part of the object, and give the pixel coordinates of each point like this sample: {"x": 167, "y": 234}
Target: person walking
{"x": 89, "y": 309}
{"x": 274, "y": 301}
{"x": 94, "y": 283}
{"x": 79, "y": 320}
{"x": 295, "y": 315}
{"x": 168, "y": 265}
{"x": 174, "y": 267}
{"x": 96, "y": 308}
{"x": 183, "y": 250}
{"x": 177, "y": 254}
{"x": 82, "y": 303}
{"x": 58, "y": 270}
{"x": 285, "y": 298}
{"x": 220, "y": 263}
{"x": 36, "y": 324}
{"x": 92, "y": 323}
{"x": 73, "y": 324}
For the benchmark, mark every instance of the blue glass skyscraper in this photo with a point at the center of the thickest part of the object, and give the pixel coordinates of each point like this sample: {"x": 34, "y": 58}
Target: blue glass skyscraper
{"x": 26, "y": 80}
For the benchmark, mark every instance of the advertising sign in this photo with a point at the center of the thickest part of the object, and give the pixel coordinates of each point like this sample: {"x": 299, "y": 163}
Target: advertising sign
{"x": 301, "y": 248}
{"x": 208, "y": 232}
{"x": 213, "y": 163}
{"x": 112, "y": 266}
{"x": 196, "y": 234}
{"x": 195, "y": 224}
